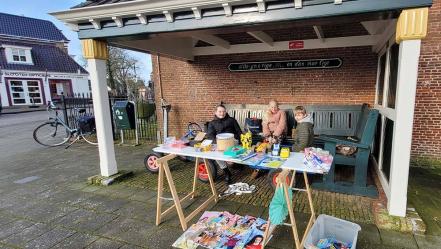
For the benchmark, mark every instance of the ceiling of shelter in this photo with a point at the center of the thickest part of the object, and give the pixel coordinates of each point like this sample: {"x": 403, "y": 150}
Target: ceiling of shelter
{"x": 188, "y": 28}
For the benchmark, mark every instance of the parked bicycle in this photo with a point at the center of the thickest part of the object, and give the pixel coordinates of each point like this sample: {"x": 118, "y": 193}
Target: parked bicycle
{"x": 56, "y": 131}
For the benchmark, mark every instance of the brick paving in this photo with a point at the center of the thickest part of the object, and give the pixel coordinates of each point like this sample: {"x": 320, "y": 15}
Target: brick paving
{"x": 344, "y": 206}
{"x": 45, "y": 202}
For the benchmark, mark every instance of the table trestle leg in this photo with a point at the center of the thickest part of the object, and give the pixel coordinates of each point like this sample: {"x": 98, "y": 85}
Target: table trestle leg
{"x": 195, "y": 177}
{"x": 164, "y": 170}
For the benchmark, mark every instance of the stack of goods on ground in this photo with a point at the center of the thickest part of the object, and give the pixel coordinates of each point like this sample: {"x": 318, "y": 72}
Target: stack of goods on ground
{"x": 224, "y": 230}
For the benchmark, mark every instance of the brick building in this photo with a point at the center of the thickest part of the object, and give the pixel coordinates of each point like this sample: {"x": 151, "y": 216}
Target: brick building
{"x": 380, "y": 43}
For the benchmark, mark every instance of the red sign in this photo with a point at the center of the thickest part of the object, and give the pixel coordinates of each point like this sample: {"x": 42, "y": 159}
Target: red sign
{"x": 296, "y": 44}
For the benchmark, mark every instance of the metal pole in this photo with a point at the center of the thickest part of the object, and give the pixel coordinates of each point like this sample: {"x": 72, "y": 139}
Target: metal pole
{"x": 111, "y": 119}
{"x": 136, "y": 124}
{"x": 165, "y": 119}
{"x": 63, "y": 102}
{"x": 122, "y": 136}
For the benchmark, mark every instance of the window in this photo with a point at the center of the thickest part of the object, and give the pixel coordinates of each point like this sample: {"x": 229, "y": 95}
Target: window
{"x": 394, "y": 51}
{"x": 18, "y": 55}
{"x": 381, "y": 79}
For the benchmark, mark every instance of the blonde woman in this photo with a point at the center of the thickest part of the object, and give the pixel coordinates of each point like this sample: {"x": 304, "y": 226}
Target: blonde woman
{"x": 274, "y": 122}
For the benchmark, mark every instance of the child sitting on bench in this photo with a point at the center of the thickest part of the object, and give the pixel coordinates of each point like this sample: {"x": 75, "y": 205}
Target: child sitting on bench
{"x": 303, "y": 135}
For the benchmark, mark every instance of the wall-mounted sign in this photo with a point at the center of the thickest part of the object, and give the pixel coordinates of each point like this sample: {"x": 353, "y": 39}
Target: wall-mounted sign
{"x": 296, "y": 45}
{"x": 286, "y": 65}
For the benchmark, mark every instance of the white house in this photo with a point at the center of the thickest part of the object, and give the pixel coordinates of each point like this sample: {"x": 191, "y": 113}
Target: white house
{"x": 35, "y": 66}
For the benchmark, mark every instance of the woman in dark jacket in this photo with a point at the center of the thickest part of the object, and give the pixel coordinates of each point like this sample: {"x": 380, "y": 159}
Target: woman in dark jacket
{"x": 223, "y": 123}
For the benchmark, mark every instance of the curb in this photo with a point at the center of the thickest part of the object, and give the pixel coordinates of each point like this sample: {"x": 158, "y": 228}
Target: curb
{"x": 17, "y": 112}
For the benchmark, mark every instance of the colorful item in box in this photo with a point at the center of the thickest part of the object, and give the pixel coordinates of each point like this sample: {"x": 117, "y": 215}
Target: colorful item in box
{"x": 318, "y": 159}
{"x": 332, "y": 243}
{"x": 234, "y": 151}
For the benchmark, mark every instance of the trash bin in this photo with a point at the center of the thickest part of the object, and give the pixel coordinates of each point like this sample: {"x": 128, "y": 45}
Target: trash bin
{"x": 330, "y": 227}
{"x": 124, "y": 115}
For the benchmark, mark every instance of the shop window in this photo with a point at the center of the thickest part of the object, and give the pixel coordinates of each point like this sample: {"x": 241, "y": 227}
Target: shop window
{"x": 380, "y": 88}
{"x": 392, "y": 89}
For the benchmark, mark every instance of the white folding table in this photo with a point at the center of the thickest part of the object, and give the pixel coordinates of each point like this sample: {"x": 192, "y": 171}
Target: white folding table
{"x": 293, "y": 164}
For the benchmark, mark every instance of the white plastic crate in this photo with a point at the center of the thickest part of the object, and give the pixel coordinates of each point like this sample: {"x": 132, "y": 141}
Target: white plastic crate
{"x": 330, "y": 227}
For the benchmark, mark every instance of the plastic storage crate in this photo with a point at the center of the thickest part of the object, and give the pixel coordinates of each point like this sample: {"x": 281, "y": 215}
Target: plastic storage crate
{"x": 330, "y": 227}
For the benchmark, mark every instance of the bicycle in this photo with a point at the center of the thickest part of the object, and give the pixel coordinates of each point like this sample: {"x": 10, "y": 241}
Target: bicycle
{"x": 192, "y": 130}
{"x": 56, "y": 132}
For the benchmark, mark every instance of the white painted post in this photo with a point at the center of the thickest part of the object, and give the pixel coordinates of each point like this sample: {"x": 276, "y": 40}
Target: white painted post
{"x": 401, "y": 143}
{"x": 97, "y": 70}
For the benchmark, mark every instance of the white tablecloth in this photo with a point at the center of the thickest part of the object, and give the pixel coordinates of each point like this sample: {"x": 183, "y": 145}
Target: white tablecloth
{"x": 294, "y": 162}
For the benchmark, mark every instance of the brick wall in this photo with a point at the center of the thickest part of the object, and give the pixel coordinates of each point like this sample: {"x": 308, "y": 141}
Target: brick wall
{"x": 426, "y": 141}
{"x": 194, "y": 88}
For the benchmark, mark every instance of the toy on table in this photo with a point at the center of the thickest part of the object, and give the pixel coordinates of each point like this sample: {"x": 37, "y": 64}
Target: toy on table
{"x": 178, "y": 144}
{"x": 276, "y": 149}
{"x": 261, "y": 147}
{"x": 205, "y": 146}
{"x": 234, "y": 151}
{"x": 271, "y": 162}
{"x": 246, "y": 140}
{"x": 285, "y": 152}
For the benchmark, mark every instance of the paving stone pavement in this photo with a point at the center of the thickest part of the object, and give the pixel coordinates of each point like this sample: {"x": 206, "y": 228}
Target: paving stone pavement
{"x": 57, "y": 209}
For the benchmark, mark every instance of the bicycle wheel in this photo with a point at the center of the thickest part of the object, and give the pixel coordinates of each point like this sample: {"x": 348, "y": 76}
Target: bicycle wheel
{"x": 90, "y": 137}
{"x": 51, "y": 134}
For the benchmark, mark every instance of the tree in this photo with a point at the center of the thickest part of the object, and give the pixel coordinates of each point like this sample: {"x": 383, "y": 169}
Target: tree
{"x": 121, "y": 72}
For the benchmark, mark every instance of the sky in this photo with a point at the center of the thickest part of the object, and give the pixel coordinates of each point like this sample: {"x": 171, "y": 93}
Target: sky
{"x": 40, "y": 9}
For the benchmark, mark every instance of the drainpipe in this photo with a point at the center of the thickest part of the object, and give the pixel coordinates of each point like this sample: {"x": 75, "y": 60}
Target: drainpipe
{"x": 166, "y": 107}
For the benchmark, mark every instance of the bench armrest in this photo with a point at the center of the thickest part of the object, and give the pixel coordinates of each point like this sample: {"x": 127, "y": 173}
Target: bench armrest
{"x": 342, "y": 140}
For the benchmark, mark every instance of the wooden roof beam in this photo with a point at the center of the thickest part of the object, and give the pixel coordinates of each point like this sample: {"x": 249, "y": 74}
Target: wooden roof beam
{"x": 168, "y": 15}
{"x": 319, "y": 32}
{"x": 96, "y": 23}
{"x": 261, "y": 6}
{"x": 263, "y": 37}
{"x": 213, "y": 40}
{"x": 142, "y": 18}
{"x": 197, "y": 12}
{"x": 228, "y": 9}
{"x": 118, "y": 20}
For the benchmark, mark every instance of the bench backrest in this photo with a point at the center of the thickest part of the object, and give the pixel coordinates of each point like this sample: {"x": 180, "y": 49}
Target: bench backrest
{"x": 367, "y": 125}
{"x": 338, "y": 120}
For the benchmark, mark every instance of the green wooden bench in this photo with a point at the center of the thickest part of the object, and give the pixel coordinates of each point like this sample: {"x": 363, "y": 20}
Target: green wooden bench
{"x": 332, "y": 125}
{"x": 362, "y": 139}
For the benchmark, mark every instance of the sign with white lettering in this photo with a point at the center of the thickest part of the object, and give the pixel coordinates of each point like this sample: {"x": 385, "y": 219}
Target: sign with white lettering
{"x": 285, "y": 65}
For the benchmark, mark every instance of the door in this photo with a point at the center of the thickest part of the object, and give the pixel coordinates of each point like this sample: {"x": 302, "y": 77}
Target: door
{"x": 25, "y": 92}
